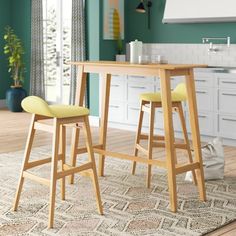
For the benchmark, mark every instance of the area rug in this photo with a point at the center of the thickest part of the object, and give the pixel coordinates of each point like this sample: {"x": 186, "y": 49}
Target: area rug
{"x": 129, "y": 207}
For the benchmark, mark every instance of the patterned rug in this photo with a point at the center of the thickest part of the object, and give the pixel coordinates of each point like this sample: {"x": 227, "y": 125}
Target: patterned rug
{"x": 130, "y": 208}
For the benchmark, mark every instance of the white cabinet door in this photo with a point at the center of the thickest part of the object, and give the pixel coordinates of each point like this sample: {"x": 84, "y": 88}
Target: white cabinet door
{"x": 117, "y": 112}
{"x": 206, "y": 123}
{"x": 227, "y": 81}
{"x": 118, "y": 89}
{"x": 205, "y": 80}
{"x": 135, "y": 89}
{"x": 141, "y": 79}
{"x": 227, "y": 101}
{"x": 227, "y": 126}
{"x": 205, "y": 99}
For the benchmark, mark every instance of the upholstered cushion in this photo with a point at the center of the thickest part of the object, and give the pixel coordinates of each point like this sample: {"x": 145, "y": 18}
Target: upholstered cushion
{"x": 179, "y": 94}
{"x": 37, "y": 105}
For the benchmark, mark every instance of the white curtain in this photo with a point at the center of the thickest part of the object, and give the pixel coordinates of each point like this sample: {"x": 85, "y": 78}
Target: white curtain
{"x": 37, "y": 87}
{"x": 77, "y": 42}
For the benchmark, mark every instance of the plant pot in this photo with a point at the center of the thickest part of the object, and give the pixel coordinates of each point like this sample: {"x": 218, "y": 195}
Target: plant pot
{"x": 14, "y": 97}
{"x": 120, "y": 57}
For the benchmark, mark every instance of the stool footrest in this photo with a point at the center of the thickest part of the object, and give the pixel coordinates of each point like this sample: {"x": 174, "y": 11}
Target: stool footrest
{"x": 72, "y": 170}
{"x": 142, "y": 149}
{"x": 33, "y": 164}
{"x": 36, "y": 178}
{"x": 82, "y": 150}
{"x": 187, "y": 167}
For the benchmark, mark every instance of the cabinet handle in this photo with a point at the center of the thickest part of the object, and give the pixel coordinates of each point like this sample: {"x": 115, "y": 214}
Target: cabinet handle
{"x": 138, "y": 87}
{"x": 227, "y": 119}
{"x": 115, "y": 85}
{"x": 229, "y": 94}
{"x": 113, "y": 106}
{"x": 202, "y": 116}
{"x": 134, "y": 109}
{"x": 228, "y": 82}
{"x": 202, "y": 92}
{"x": 200, "y": 80}
{"x": 131, "y": 76}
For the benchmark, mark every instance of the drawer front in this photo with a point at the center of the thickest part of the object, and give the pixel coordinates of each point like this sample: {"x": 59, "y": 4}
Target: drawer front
{"x": 227, "y": 81}
{"x": 141, "y": 79}
{"x": 117, "y": 112}
{"x": 174, "y": 80}
{"x": 227, "y": 101}
{"x": 133, "y": 115}
{"x": 134, "y": 91}
{"x": 205, "y": 99}
{"x": 118, "y": 90}
{"x": 206, "y": 123}
{"x": 204, "y": 80}
{"x": 160, "y": 121}
{"x": 227, "y": 126}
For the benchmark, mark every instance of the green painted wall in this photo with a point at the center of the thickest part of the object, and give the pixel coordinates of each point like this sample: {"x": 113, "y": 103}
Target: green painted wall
{"x": 98, "y": 49}
{"x": 136, "y": 27}
{"x": 21, "y": 23}
{"x": 16, "y": 14}
{"x": 5, "y": 19}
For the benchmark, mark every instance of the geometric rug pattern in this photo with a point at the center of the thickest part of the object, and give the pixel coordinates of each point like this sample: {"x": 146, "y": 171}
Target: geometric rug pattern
{"x": 129, "y": 207}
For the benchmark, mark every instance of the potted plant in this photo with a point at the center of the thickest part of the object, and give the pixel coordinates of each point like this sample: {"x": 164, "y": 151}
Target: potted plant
{"x": 15, "y": 51}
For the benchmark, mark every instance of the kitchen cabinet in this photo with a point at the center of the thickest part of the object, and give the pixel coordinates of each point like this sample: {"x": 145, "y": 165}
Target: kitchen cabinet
{"x": 216, "y": 101}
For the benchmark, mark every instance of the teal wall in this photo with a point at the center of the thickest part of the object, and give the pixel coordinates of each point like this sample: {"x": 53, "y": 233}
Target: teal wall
{"x": 5, "y": 19}
{"x": 98, "y": 49}
{"x": 16, "y": 14}
{"x": 21, "y": 23}
{"x": 136, "y": 27}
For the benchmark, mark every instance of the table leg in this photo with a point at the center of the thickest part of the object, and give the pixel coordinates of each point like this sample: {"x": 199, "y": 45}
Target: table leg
{"x": 169, "y": 137}
{"x": 104, "y": 119}
{"x": 79, "y": 100}
{"x": 195, "y": 132}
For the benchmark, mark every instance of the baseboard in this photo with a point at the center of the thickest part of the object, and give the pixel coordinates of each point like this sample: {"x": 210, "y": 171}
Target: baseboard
{"x": 94, "y": 121}
{"x": 2, "y": 103}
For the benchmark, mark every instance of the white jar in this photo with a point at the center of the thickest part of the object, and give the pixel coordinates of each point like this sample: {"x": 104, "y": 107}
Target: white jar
{"x": 135, "y": 51}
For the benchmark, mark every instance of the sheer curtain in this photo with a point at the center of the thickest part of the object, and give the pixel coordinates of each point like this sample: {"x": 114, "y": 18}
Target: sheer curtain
{"x": 77, "y": 43}
{"x": 37, "y": 58}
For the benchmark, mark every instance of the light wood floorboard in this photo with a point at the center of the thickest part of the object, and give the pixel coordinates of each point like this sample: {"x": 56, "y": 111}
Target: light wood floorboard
{"x": 13, "y": 133}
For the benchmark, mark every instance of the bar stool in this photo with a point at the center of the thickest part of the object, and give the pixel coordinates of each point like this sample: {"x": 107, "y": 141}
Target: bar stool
{"x": 150, "y": 101}
{"x": 61, "y": 115}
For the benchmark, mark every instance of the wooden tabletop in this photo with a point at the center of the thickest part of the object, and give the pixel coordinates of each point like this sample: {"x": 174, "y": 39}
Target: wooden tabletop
{"x": 146, "y": 66}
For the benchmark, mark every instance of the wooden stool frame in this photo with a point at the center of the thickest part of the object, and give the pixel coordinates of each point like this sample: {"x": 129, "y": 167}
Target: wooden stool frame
{"x": 154, "y": 140}
{"x": 58, "y": 130}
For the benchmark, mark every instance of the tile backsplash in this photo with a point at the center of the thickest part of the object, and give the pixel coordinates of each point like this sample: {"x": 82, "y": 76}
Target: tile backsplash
{"x": 192, "y": 53}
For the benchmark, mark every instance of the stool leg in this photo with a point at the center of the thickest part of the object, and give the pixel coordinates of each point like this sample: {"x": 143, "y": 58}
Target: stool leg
{"x": 92, "y": 159}
{"x": 28, "y": 147}
{"x": 74, "y": 145}
{"x": 183, "y": 124}
{"x": 150, "y": 141}
{"x": 53, "y": 181}
{"x": 63, "y": 153}
{"x": 137, "y": 139}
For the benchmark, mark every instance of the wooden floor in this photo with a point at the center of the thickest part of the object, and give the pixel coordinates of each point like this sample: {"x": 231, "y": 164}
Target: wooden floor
{"x": 13, "y": 133}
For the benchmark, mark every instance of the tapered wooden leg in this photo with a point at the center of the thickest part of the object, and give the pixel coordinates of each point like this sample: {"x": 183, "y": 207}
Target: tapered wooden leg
{"x": 92, "y": 159}
{"x": 192, "y": 103}
{"x": 63, "y": 153}
{"x": 169, "y": 137}
{"x": 53, "y": 179}
{"x": 104, "y": 119}
{"x": 150, "y": 142}
{"x": 183, "y": 124}
{"x": 73, "y": 156}
{"x": 28, "y": 148}
{"x": 79, "y": 100}
{"x": 137, "y": 139}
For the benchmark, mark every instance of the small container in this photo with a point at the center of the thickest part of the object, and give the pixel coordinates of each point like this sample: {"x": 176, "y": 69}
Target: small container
{"x": 157, "y": 59}
{"x": 135, "y": 51}
{"x": 143, "y": 59}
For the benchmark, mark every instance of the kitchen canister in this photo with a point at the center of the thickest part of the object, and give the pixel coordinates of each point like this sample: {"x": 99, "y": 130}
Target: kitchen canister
{"x": 135, "y": 51}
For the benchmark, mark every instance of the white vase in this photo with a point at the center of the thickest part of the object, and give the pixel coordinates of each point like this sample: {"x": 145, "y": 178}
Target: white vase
{"x": 120, "y": 57}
